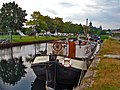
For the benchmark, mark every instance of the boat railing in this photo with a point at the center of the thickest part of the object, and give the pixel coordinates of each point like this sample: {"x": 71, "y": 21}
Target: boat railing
{"x": 88, "y": 63}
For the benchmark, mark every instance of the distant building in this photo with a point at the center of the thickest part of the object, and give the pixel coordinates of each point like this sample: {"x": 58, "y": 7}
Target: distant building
{"x": 100, "y": 28}
{"x": 94, "y": 28}
{"x": 90, "y": 25}
{"x": 116, "y": 33}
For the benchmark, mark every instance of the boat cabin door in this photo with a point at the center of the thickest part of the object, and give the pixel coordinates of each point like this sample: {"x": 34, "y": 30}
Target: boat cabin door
{"x": 72, "y": 49}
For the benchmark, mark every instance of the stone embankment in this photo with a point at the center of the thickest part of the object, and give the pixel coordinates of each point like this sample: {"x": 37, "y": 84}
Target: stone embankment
{"x": 87, "y": 81}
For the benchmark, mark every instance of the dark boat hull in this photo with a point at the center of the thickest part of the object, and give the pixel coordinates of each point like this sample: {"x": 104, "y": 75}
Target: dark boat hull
{"x": 40, "y": 71}
{"x": 67, "y": 75}
{"x": 57, "y": 73}
{"x": 45, "y": 71}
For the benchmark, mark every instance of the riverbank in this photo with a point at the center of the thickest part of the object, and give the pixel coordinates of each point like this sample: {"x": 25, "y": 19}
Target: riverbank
{"x": 103, "y": 73}
{"x": 8, "y": 45}
{"x": 18, "y": 40}
{"x": 26, "y": 40}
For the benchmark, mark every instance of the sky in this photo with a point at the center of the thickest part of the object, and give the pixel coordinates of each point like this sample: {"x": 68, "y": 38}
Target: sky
{"x": 100, "y": 12}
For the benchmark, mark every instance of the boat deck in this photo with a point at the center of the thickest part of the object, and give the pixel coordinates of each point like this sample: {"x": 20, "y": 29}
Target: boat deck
{"x": 81, "y": 51}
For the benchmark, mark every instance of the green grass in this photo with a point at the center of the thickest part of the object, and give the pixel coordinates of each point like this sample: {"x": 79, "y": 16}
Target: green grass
{"x": 103, "y": 37}
{"x": 110, "y": 46}
{"x": 32, "y": 38}
{"x": 18, "y": 38}
{"x": 108, "y": 70}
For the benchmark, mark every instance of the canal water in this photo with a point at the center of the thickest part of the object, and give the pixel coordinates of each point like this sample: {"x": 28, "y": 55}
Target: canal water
{"x": 15, "y": 67}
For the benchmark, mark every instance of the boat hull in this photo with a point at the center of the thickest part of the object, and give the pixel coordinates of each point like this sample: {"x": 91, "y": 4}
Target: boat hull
{"x": 67, "y": 75}
{"x": 57, "y": 73}
{"x": 40, "y": 71}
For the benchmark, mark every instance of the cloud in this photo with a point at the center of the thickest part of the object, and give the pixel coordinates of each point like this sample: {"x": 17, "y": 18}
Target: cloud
{"x": 100, "y": 12}
{"x": 107, "y": 17}
{"x": 52, "y": 11}
{"x": 66, "y": 4}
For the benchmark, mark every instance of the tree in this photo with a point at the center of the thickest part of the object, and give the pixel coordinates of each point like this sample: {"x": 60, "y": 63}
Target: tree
{"x": 37, "y": 21}
{"x": 66, "y": 27}
{"x": 81, "y": 31}
{"x": 58, "y": 23}
{"x": 50, "y": 24}
{"x": 12, "y": 17}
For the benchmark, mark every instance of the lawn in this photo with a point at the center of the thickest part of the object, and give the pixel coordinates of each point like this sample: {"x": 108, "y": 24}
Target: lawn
{"x": 108, "y": 70}
{"x": 33, "y": 38}
{"x": 18, "y": 38}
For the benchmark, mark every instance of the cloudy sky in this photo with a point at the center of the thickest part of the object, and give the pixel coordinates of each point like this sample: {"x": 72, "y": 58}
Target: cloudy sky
{"x": 99, "y": 12}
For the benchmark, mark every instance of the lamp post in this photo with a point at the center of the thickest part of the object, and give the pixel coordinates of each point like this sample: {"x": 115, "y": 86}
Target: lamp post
{"x": 34, "y": 31}
{"x": 46, "y": 32}
{"x": 10, "y": 33}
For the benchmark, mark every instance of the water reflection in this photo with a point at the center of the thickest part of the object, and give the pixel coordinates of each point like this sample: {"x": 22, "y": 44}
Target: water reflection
{"x": 29, "y": 58}
{"x": 39, "y": 85}
{"x": 12, "y": 70}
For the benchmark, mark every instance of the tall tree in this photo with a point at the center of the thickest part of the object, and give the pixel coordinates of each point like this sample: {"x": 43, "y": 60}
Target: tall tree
{"x": 67, "y": 27}
{"x": 58, "y": 23}
{"x": 12, "y": 17}
{"x": 50, "y": 24}
{"x": 37, "y": 21}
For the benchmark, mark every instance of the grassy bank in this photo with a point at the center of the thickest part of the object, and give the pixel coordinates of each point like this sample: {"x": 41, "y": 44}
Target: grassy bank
{"x": 108, "y": 70}
{"x": 103, "y": 37}
{"x": 33, "y": 38}
{"x": 18, "y": 38}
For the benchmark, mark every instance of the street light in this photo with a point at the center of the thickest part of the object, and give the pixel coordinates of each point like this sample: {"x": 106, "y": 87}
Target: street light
{"x": 34, "y": 31}
{"x": 10, "y": 33}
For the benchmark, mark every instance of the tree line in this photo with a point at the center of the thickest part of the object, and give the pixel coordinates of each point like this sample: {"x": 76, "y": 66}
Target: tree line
{"x": 12, "y": 18}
